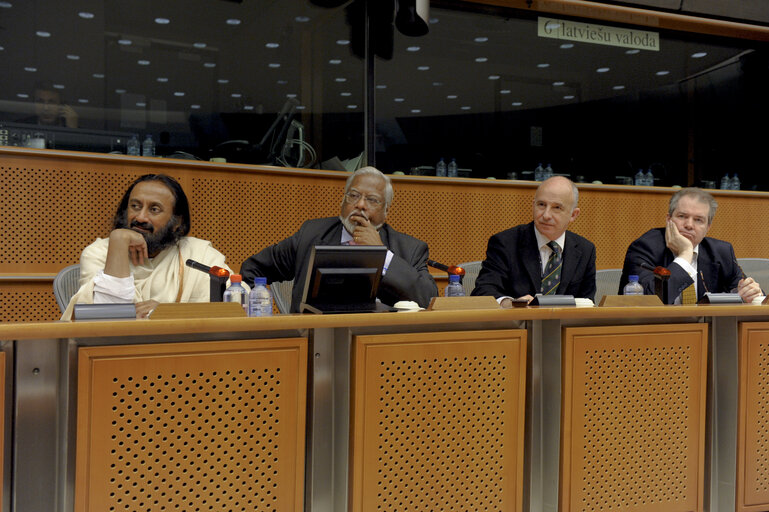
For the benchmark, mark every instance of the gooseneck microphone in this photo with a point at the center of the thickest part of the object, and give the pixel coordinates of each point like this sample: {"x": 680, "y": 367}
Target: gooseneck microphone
{"x": 451, "y": 269}
{"x": 658, "y": 271}
{"x": 214, "y": 271}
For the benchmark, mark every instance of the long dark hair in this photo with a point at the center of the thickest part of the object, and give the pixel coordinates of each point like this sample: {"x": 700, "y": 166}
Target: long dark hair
{"x": 181, "y": 206}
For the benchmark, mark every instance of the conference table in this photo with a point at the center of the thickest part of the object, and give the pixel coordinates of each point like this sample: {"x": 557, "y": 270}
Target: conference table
{"x": 535, "y": 408}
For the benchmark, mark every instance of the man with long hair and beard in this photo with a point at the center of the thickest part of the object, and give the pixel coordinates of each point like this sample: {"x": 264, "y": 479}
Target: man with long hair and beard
{"x": 142, "y": 260}
{"x": 362, "y": 221}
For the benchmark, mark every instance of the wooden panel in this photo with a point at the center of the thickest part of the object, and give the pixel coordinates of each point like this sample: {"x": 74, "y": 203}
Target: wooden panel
{"x": 753, "y": 419}
{"x": 633, "y": 418}
{"x": 438, "y": 421}
{"x": 64, "y": 200}
{"x": 192, "y": 426}
{"x": 2, "y": 421}
{"x": 28, "y": 301}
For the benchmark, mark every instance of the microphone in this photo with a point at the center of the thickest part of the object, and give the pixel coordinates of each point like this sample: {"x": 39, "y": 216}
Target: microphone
{"x": 451, "y": 269}
{"x": 658, "y": 271}
{"x": 214, "y": 271}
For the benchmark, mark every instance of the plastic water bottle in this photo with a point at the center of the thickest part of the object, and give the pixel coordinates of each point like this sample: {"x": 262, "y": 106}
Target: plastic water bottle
{"x": 148, "y": 146}
{"x": 133, "y": 146}
{"x": 633, "y": 287}
{"x": 734, "y": 183}
{"x": 454, "y": 288}
{"x": 726, "y": 182}
{"x": 260, "y": 299}
{"x": 649, "y": 178}
{"x": 639, "y": 177}
{"x": 539, "y": 173}
{"x": 452, "y": 168}
{"x": 440, "y": 168}
{"x": 548, "y": 172}
{"x": 236, "y": 293}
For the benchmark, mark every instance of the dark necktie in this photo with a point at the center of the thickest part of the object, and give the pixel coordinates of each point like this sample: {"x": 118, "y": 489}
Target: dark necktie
{"x": 552, "y": 276}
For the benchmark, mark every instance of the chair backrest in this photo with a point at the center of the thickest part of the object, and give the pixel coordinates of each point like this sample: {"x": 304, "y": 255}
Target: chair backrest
{"x": 66, "y": 284}
{"x": 607, "y": 282}
{"x": 471, "y": 273}
{"x": 281, "y": 291}
{"x": 758, "y": 269}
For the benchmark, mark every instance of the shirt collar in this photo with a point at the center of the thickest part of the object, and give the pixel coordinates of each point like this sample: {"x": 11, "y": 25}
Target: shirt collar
{"x": 542, "y": 240}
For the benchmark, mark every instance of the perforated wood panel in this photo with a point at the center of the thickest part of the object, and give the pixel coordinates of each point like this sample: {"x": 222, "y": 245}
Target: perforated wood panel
{"x": 28, "y": 301}
{"x": 2, "y": 419}
{"x": 62, "y": 201}
{"x": 753, "y": 420}
{"x": 192, "y": 426}
{"x": 438, "y": 421}
{"x": 633, "y": 418}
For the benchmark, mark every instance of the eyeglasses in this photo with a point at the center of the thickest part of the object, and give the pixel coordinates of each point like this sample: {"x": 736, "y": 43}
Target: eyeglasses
{"x": 353, "y": 197}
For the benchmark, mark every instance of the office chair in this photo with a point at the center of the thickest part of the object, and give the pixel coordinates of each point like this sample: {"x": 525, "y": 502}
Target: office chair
{"x": 66, "y": 284}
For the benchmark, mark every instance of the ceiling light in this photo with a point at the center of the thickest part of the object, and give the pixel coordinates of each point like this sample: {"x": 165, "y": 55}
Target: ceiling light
{"x": 699, "y": 55}
{"x": 199, "y": 45}
{"x": 178, "y": 93}
{"x": 602, "y": 70}
{"x": 236, "y": 95}
{"x": 233, "y": 21}
{"x": 423, "y": 68}
{"x": 481, "y": 39}
{"x": 662, "y": 72}
{"x": 272, "y": 45}
{"x": 273, "y": 65}
{"x": 481, "y": 59}
{"x": 415, "y": 111}
{"x": 618, "y": 87}
{"x": 632, "y": 52}
{"x": 302, "y": 19}
{"x": 194, "y": 107}
{"x": 504, "y": 91}
{"x": 22, "y": 95}
{"x": 340, "y": 79}
{"x": 335, "y": 61}
{"x": 43, "y": 33}
{"x": 209, "y": 65}
{"x": 493, "y": 77}
{"x": 58, "y": 86}
{"x": 345, "y": 94}
{"x": 381, "y": 86}
{"x": 342, "y": 42}
{"x": 124, "y": 42}
{"x": 30, "y": 69}
{"x": 98, "y": 75}
{"x": 413, "y": 49}
{"x": 300, "y": 107}
{"x": 543, "y": 65}
{"x": 569, "y": 97}
{"x": 143, "y": 62}
{"x": 6, "y": 5}
{"x": 352, "y": 106}
{"x": 120, "y": 91}
{"x": 85, "y": 15}
{"x": 82, "y": 100}
{"x": 73, "y": 57}
{"x": 399, "y": 100}
{"x": 433, "y": 21}
{"x": 162, "y": 79}
{"x": 558, "y": 84}
{"x": 2, "y": 48}
{"x": 282, "y": 82}
{"x": 566, "y": 46}
{"x": 223, "y": 81}
{"x": 465, "y": 107}
{"x": 291, "y": 95}
{"x": 248, "y": 107}
{"x": 162, "y": 21}
{"x": 451, "y": 97}
{"x": 141, "y": 104}
{"x": 516, "y": 103}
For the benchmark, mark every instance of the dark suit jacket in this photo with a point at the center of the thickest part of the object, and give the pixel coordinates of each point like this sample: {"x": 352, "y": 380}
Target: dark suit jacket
{"x": 715, "y": 261}
{"x": 512, "y": 266}
{"x": 407, "y": 277}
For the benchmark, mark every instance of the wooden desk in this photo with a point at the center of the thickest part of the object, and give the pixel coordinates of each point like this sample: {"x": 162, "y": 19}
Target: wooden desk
{"x": 355, "y": 358}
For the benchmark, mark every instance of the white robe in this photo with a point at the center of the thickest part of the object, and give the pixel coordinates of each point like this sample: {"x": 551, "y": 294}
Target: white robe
{"x": 156, "y": 279}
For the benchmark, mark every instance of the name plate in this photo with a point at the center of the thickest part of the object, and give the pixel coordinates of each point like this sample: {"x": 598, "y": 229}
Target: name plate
{"x": 552, "y": 301}
{"x": 721, "y": 298}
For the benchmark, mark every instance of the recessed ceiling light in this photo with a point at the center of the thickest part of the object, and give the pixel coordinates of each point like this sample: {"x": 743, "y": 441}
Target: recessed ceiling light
{"x": 300, "y": 107}
{"x": 30, "y": 69}
{"x": 82, "y": 100}
{"x": 618, "y": 87}
{"x": 162, "y": 21}
{"x": 569, "y": 97}
{"x": 381, "y": 86}
{"x": 98, "y": 75}
{"x": 162, "y": 79}
{"x": 2, "y": 48}
{"x": 6, "y": 5}
{"x": 85, "y": 15}
{"x": 481, "y": 59}
{"x": 340, "y": 79}
{"x": 632, "y": 52}
{"x": 291, "y": 95}
{"x": 437, "y": 84}
{"x": 236, "y": 95}
{"x": 22, "y": 95}
{"x": 413, "y": 49}
{"x": 178, "y": 93}
{"x": 433, "y": 21}
{"x": 209, "y": 64}
{"x": 43, "y": 33}
{"x": 342, "y": 42}
{"x": 465, "y": 107}
{"x": 124, "y": 42}
{"x": 481, "y": 39}
{"x": 345, "y": 94}
{"x": 602, "y": 70}
{"x": 699, "y": 55}
{"x": 233, "y": 21}
{"x": 194, "y": 106}
{"x": 399, "y": 100}
{"x": 566, "y": 46}
{"x": 493, "y": 77}
{"x": 143, "y": 62}
{"x": 558, "y": 84}
{"x": 352, "y": 106}
{"x": 58, "y": 86}
{"x": 248, "y": 107}
{"x": 415, "y": 111}
{"x": 141, "y": 104}
{"x": 199, "y": 45}
{"x": 273, "y": 65}
{"x": 282, "y": 82}
{"x": 504, "y": 91}
{"x": 335, "y": 61}
{"x": 423, "y": 68}
{"x": 272, "y": 45}
{"x": 451, "y": 97}
{"x": 543, "y": 65}
{"x": 662, "y": 72}
{"x": 223, "y": 81}
{"x": 73, "y": 57}
{"x": 120, "y": 91}
{"x": 516, "y": 103}
{"x": 302, "y": 19}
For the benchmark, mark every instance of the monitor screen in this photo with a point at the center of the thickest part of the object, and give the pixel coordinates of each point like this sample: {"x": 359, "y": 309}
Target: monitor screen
{"x": 343, "y": 278}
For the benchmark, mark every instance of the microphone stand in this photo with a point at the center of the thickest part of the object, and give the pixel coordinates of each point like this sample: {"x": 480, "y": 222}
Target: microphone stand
{"x": 661, "y": 276}
{"x": 217, "y": 279}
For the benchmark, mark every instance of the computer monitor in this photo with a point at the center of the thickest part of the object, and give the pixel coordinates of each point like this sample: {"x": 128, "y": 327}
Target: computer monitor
{"x": 343, "y": 278}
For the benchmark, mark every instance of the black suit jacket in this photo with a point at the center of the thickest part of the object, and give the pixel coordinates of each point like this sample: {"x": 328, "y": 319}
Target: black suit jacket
{"x": 716, "y": 262}
{"x": 407, "y": 277}
{"x": 512, "y": 266}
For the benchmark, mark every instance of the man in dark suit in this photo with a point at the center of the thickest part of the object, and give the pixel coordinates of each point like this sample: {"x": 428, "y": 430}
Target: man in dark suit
{"x": 692, "y": 258}
{"x": 367, "y": 197}
{"x": 523, "y": 261}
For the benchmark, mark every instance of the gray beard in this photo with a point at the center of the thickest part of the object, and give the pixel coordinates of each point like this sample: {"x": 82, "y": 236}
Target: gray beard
{"x": 350, "y": 225}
